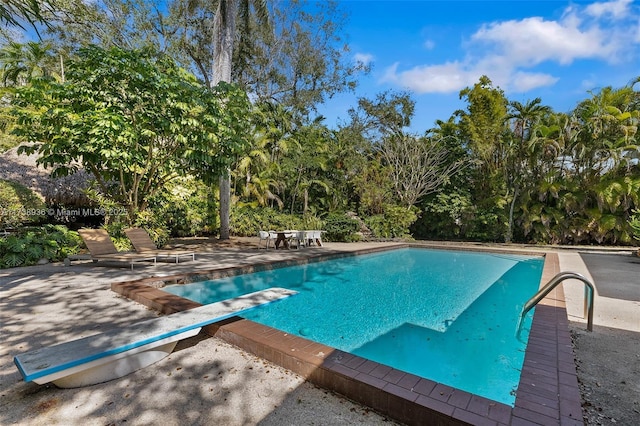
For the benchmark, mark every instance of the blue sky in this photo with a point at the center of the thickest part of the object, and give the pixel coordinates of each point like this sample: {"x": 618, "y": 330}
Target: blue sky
{"x": 555, "y": 50}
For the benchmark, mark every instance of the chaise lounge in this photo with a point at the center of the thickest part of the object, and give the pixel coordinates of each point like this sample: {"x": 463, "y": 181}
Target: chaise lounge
{"x": 101, "y": 247}
{"x": 143, "y": 244}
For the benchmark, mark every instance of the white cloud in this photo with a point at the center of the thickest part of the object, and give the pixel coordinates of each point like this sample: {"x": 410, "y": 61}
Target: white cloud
{"x": 531, "y": 41}
{"x": 522, "y": 81}
{"x": 509, "y": 51}
{"x": 616, "y": 9}
{"x": 429, "y": 44}
{"x": 445, "y": 78}
{"x": 364, "y": 58}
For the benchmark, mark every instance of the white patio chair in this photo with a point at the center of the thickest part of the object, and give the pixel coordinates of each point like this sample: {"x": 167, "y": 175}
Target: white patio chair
{"x": 315, "y": 236}
{"x": 300, "y": 238}
{"x": 266, "y": 237}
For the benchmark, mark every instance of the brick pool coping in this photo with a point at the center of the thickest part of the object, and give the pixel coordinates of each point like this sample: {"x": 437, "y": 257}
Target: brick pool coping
{"x": 548, "y": 392}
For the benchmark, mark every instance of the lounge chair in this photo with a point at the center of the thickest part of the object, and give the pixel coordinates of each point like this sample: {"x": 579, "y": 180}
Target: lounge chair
{"x": 102, "y": 248}
{"x": 143, "y": 244}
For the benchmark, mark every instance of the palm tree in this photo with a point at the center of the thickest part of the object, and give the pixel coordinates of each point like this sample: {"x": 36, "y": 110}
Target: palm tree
{"x": 22, "y": 62}
{"x": 524, "y": 117}
{"x": 272, "y": 137}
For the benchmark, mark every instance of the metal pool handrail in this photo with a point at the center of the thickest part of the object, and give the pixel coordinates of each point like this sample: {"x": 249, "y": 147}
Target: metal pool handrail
{"x": 588, "y": 297}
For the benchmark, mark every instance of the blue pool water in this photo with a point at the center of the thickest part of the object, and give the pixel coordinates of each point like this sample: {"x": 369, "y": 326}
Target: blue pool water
{"x": 447, "y": 316}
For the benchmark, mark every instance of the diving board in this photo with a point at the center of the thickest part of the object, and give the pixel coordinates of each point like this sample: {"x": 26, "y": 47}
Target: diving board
{"x": 118, "y": 352}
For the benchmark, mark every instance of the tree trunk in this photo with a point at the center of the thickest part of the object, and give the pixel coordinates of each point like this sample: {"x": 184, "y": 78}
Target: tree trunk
{"x": 509, "y": 236}
{"x": 225, "y": 205}
{"x": 224, "y": 28}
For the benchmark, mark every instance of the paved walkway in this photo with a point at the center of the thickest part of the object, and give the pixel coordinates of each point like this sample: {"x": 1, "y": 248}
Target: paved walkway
{"x": 617, "y": 281}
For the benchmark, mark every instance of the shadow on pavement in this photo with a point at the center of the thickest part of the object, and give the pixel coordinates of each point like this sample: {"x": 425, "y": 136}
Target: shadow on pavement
{"x": 616, "y": 276}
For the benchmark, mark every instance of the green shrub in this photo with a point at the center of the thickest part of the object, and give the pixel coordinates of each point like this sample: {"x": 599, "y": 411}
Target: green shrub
{"x": 115, "y": 229}
{"x": 8, "y": 141}
{"x": 19, "y": 205}
{"x": 394, "y": 223}
{"x": 28, "y": 245}
{"x": 634, "y": 223}
{"x": 154, "y": 226}
{"x": 186, "y": 208}
{"x": 146, "y": 220}
{"x": 247, "y": 219}
{"x": 447, "y": 215}
{"x": 339, "y": 227}
{"x": 487, "y": 225}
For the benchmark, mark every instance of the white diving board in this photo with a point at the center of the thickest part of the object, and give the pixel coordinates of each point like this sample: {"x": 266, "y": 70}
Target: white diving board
{"x": 118, "y": 352}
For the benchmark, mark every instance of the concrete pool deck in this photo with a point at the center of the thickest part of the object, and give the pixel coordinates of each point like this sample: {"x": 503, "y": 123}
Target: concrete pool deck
{"x": 206, "y": 381}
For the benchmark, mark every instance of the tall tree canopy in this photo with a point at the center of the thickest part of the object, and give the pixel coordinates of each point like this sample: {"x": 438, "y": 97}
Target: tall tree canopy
{"x": 134, "y": 120}
{"x": 19, "y": 12}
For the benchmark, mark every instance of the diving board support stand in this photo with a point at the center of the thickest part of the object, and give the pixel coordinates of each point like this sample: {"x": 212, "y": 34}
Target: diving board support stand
{"x": 116, "y": 353}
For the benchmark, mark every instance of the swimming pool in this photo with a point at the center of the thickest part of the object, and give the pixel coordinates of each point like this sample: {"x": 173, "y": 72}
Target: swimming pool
{"x": 447, "y": 316}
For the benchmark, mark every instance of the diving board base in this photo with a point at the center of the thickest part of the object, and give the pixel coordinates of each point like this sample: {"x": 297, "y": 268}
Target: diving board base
{"x": 116, "y": 366}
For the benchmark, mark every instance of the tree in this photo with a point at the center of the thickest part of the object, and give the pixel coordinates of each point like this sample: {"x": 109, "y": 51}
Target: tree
{"x": 224, "y": 33}
{"x": 309, "y": 163}
{"x": 418, "y": 165}
{"x": 15, "y": 12}
{"x": 483, "y": 124}
{"x": 301, "y": 59}
{"x": 299, "y": 65}
{"x": 524, "y": 118}
{"x": 22, "y": 62}
{"x": 126, "y": 24}
{"x": 290, "y": 52}
{"x": 386, "y": 115}
{"x": 134, "y": 120}
{"x": 258, "y": 172}
{"x": 299, "y": 80}
{"x": 484, "y": 121}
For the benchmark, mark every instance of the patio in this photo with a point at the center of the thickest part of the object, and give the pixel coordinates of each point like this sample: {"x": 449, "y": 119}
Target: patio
{"x": 211, "y": 381}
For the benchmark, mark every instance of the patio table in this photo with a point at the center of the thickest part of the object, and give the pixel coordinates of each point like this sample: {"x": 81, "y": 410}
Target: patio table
{"x": 283, "y": 237}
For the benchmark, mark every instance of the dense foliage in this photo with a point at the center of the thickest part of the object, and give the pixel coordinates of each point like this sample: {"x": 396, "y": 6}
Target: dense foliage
{"x": 29, "y": 246}
{"x": 19, "y": 205}
{"x": 134, "y": 120}
{"x": 155, "y": 137}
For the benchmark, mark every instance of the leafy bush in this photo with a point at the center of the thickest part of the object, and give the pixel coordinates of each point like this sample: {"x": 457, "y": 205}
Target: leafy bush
{"x": 8, "y": 141}
{"x": 488, "y": 225}
{"x": 115, "y": 230}
{"x": 19, "y": 205}
{"x": 339, "y": 227}
{"x": 154, "y": 226}
{"x": 393, "y": 223}
{"x": 29, "y": 245}
{"x": 186, "y": 208}
{"x": 446, "y": 215}
{"x": 453, "y": 215}
{"x": 247, "y": 219}
{"x": 146, "y": 220}
{"x": 634, "y": 223}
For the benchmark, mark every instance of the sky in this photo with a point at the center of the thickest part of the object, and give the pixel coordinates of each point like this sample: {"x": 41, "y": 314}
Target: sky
{"x": 559, "y": 51}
